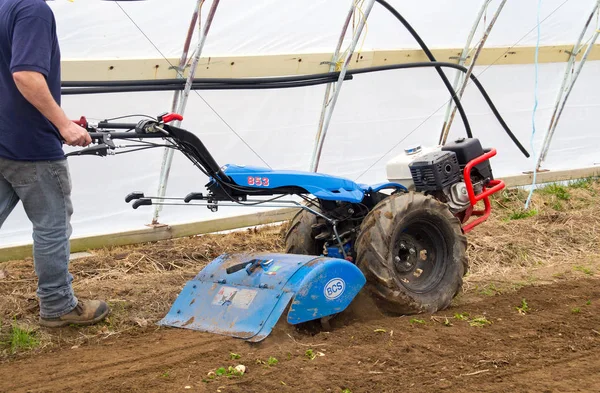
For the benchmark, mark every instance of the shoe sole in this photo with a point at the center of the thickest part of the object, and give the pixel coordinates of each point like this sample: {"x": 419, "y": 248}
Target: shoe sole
{"x": 54, "y": 324}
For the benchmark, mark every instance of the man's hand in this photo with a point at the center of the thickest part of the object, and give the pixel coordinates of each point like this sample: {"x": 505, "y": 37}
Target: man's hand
{"x": 75, "y": 135}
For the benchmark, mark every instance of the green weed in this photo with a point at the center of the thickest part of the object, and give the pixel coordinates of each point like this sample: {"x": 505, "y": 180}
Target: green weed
{"x": 521, "y": 214}
{"x": 582, "y": 183}
{"x": 489, "y": 290}
{"x": 584, "y": 269}
{"x": 524, "y": 307}
{"x": 557, "y": 190}
{"x": 419, "y": 321}
{"x": 310, "y": 354}
{"x": 576, "y": 310}
{"x": 462, "y": 317}
{"x": 22, "y": 339}
{"x": 234, "y": 356}
{"x": 272, "y": 361}
{"x": 225, "y": 372}
{"x": 479, "y": 322}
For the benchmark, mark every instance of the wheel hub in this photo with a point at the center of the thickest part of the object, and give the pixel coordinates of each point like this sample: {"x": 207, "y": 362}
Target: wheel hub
{"x": 407, "y": 257}
{"x": 420, "y": 248}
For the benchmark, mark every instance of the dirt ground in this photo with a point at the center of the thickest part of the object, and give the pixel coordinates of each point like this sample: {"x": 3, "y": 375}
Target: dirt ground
{"x": 527, "y": 320}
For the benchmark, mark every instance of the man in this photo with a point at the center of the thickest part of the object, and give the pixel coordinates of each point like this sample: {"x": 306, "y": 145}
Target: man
{"x": 33, "y": 168}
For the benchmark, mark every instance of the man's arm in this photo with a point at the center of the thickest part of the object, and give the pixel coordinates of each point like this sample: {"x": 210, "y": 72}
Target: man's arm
{"x": 34, "y": 88}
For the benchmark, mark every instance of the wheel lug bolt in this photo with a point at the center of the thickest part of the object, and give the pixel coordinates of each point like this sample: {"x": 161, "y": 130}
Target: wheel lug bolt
{"x": 412, "y": 251}
{"x": 397, "y": 259}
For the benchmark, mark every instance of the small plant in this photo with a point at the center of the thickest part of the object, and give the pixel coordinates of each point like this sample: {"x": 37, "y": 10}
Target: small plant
{"x": 524, "y": 307}
{"x": 419, "y": 321}
{"x": 489, "y": 290}
{"x": 346, "y": 391}
{"x": 462, "y": 317}
{"x": 521, "y": 214}
{"x": 227, "y": 372}
{"x": 234, "y": 356}
{"x": 479, "y": 322}
{"x": 576, "y": 310}
{"x": 165, "y": 374}
{"x": 235, "y": 371}
{"x": 581, "y": 183}
{"x": 584, "y": 270}
{"x": 310, "y": 354}
{"x": 588, "y": 302}
{"x": 447, "y": 322}
{"x": 22, "y": 339}
{"x": 272, "y": 361}
{"x": 558, "y": 206}
{"x": 220, "y": 371}
{"x": 557, "y": 190}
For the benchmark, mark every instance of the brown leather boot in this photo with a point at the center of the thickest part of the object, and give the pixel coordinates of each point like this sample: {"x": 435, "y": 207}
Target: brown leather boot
{"x": 87, "y": 312}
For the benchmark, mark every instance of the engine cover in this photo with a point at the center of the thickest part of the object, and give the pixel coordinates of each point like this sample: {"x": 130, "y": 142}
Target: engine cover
{"x": 468, "y": 149}
{"x": 435, "y": 171}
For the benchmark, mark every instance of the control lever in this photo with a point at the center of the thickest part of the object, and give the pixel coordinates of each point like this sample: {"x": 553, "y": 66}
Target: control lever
{"x": 98, "y": 150}
{"x": 142, "y": 202}
{"x": 169, "y": 117}
{"x": 134, "y": 195}
{"x": 82, "y": 122}
{"x": 193, "y": 196}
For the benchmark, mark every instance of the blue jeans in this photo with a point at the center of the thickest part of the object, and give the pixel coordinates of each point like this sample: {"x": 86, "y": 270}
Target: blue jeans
{"x": 44, "y": 188}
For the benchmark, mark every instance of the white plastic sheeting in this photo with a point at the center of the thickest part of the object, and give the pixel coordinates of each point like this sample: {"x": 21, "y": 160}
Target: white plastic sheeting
{"x": 99, "y": 29}
{"x": 376, "y": 114}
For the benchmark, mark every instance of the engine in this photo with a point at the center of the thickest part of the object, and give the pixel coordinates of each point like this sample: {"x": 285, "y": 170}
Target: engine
{"x": 441, "y": 172}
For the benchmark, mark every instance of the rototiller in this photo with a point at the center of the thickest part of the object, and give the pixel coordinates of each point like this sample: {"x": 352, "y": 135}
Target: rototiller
{"x": 407, "y": 247}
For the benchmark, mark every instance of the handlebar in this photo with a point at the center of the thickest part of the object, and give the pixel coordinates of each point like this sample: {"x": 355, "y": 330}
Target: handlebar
{"x": 99, "y": 136}
{"x": 117, "y": 126}
{"x": 103, "y": 134}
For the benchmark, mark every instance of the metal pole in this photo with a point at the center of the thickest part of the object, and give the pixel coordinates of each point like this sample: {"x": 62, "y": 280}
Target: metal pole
{"x": 332, "y": 68}
{"x": 563, "y": 88}
{"x": 459, "y": 77}
{"x": 329, "y": 107}
{"x": 465, "y": 82}
{"x": 181, "y": 102}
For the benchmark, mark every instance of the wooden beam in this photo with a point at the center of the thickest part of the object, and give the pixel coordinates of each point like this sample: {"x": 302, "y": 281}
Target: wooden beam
{"x": 551, "y": 176}
{"x": 150, "y": 234}
{"x": 296, "y": 64}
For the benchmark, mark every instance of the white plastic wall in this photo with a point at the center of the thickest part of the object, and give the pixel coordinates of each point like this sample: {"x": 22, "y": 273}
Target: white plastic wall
{"x": 376, "y": 114}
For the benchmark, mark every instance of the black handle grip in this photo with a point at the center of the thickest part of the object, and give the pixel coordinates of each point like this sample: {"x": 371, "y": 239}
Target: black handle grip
{"x": 142, "y": 202}
{"x": 193, "y": 196}
{"x": 134, "y": 195}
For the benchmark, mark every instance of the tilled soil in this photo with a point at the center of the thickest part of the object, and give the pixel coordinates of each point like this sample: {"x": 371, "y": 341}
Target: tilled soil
{"x": 552, "y": 345}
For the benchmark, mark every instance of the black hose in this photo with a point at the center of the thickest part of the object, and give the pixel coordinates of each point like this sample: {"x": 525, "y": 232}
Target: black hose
{"x": 430, "y": 56}
{"x": 182, "y": 82}
{"x": 202, "y": 86}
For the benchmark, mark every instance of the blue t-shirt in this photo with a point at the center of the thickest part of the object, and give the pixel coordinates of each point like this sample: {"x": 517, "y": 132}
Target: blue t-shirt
{"x": 28, "y": 42}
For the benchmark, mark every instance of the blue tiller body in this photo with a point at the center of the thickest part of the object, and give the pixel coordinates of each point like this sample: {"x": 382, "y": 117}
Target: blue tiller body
{"x": 244, "y": 295}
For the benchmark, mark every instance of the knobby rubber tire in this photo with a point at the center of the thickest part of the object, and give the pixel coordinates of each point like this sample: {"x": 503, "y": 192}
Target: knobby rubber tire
{"x": 300, "y": 236}
{"x": 376, "y": 248}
